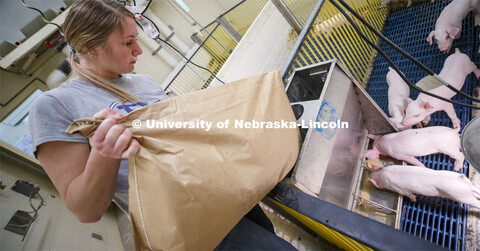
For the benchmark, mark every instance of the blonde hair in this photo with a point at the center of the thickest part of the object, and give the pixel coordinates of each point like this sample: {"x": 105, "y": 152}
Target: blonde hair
{"x": 88, "y": 25}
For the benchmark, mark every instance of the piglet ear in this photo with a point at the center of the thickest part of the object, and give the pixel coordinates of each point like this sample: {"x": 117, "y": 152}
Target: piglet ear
{"x": 377, "y": 168}
{"x": 374, "y": 182}
{"x": 426, "y": 106}
{"x": 453, "y": 31}
{"x": 430, "y": 37}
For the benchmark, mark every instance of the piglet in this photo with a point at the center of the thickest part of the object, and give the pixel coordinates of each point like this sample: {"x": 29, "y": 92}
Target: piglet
{"x": 405, "y": 145}
{"x": 410, "y": 180}
{"x": 398, "y": 98}
{"x": 455, "y": 69}
{"x": 449, "y": 23}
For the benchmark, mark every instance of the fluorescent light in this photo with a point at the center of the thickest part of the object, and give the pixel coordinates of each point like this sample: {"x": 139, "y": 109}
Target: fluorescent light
{"x": 183, "y": 5}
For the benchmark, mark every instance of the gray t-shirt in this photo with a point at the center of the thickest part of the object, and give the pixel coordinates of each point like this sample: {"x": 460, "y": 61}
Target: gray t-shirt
{"x": 54, "y": 110}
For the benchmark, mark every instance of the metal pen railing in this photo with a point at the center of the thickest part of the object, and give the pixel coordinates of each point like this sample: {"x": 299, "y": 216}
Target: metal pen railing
{"x": 329, "y": 36}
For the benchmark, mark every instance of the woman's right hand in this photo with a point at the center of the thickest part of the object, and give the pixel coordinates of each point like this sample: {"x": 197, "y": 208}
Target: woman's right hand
{"x": 112, "y": 139}
{"x": 86, "y": 178}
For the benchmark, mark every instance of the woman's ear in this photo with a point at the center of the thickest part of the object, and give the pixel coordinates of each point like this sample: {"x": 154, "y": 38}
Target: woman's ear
{"x": 91, "y": 52}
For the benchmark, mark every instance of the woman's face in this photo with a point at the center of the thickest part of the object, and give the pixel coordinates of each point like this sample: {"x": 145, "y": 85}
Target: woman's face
{"x": 120, "y": 53}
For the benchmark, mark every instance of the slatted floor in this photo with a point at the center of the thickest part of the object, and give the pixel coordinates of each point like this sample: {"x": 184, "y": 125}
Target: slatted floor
{"x": 440, "y": 221}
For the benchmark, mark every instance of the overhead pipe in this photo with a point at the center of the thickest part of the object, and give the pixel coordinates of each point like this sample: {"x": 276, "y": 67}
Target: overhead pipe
{"x": 179, "y": 44}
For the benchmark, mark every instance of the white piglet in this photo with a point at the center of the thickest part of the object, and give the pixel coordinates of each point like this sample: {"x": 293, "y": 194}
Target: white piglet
{"x": 455, "y": 69}
{"x": 405, "y": 145}
{"x": 449, "y": 24}
{"x": 411, "y": 180}
{"x": 398, "y": 98}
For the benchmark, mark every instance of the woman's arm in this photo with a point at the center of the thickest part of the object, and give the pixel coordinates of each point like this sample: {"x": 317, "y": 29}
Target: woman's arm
{"x": 86, "y": 179}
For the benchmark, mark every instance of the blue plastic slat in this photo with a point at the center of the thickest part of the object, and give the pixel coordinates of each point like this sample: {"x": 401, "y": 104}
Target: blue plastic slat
{"x": 438, "y": 220}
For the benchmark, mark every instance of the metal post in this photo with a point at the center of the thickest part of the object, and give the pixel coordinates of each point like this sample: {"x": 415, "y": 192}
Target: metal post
{"x": 301, "y": 38}
{"x": 288, "y": 15}
{"x": 229, "y": 28}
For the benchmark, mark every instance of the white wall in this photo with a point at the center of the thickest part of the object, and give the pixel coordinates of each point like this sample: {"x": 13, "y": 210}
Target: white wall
{"x": 55, "y": 227}
{"x": 153, "y": 66}
{"x": 206, "y": 11}
{"x": 203, "y": 11}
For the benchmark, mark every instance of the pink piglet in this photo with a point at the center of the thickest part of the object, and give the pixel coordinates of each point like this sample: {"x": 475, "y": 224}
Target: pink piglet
{"x": 405, "y": 145}
{"x": 411, "y": 180}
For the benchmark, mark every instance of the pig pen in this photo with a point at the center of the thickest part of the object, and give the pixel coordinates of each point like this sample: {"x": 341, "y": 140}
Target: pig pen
{"x": 439, "y": 221}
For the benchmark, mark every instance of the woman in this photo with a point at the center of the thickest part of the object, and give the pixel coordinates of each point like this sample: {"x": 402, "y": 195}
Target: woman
{"x": 102, "y": 36}
{"x": 90, "y": 173}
